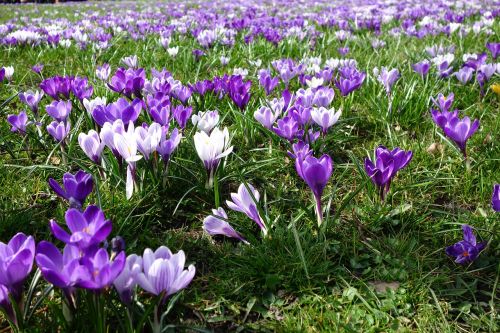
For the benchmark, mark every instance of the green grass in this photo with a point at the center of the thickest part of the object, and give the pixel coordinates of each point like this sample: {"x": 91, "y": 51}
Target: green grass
{"x": 300, "y": 278}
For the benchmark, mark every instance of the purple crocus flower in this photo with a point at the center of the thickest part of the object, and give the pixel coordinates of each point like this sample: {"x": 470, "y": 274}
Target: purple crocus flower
{"x": 121, "y": 109}
{"x": 31, "y": 99}
{"x": 128, "y": 82}
{"x": 59, "y": 110}
{"x": 57, "y": 87}
{"x": 216, "y": 224}
{"x": 182, "y": 114}
{"x": 91, "y": 145}
{"x": 87, "y": 229}
{"x": 163, "y": 272}
{"x": 125, "y": 283}
{"x": 287, "y": 128}
{"x": 63, "y": 270}
{"x": 347, "y": 84}
{"x": 37, "y": 68}
{"x": 239, "y": 91}
{"x": 459, "y": 130}
{"x": 266, "y": 116}
{"x": 81, "y": 88}
{"x": 59, "y": 130}
{"x": 16, "y": 261}
{"x": 167, "y": 146}
{"x": 323, "y": 97}
{"x": 494, "y": 49}
{"x": 444, "y": 102}
{"x": 181, "y": 93}
{"x": 268, "y": 82}
{"x": 422, "y": 68}
{"x": 76, "y": 188}
{"x": 18, "y": 122}
{"x": 467, "y": 250}
{"x": 316, "y": 173}
{"x": 2, "y": 74}
{"x": 495, "y": 198}
{"x": 102, "y": 270}
{"x": 385, "y": 167}
{"x": 246, "y": 203}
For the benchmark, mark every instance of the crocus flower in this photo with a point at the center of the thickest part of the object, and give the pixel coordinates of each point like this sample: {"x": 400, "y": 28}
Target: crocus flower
{"x": 148, "y": 138}
{"x": 325, "y": 118}
{"x": 18, "y": 122}
{"x": 323, "y": 97}
{"x": 167, "y": 146}
{"x": 287, "y": 128}
{"x": 2, "y": 74}
{"x": 464, "y": 74}
{"x": 57, "y": 87}
{"x": 63, "y": 270}
{"x": 125, "y": 283}
{"x": 182, "y": 114}
{"x": 205, "y": 121}
{"x": 316, "y": 173}
{"x": 59, "y": 130}
{"x": 5, "y": 303}
{"x": 211, "y": 148}
{"x": 386, "y": 77}
{"x": 130, "y": 61}
{"x": 422, "y": 68}
{"x": 444, "y": 102}
{"x": 121, "y": 109}
{"x": 91, "y": 145}
{"x": 246, "y": 203}
{"x": 16, "y": 261}
{"x": 215, "y": 224}
{"x": 128, "y": 82}
{"x": 266, "y": 116}
{"x": 37, "y": 68}
{"x": 268, "y": 82}
{"x": 102, "y": 271}
{"x": 494, "y": 49}
{"x": 91, "y": 104}
{"x": 467, "y": 250}
{"x": 76, "y": 188}
{"x": 385, "y": 167}
{"x": 31, "y": 99}
{"x": 59, "y": 110}
{"x": 163, "y": 272}
{"x": 103, "y": 72}
{"x": 126, "y": 145}
{"x": 495, "y": 198}
{"x": 9, "y": 72}
{"x": 88, "y": 229}
{"x": 81, "y": 88}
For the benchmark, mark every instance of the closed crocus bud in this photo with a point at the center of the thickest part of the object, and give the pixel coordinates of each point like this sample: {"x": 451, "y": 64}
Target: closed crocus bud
{"x": 31, "y": 99}
{"x": 103, "y": 72}
{"x": 215, "y": 224}
{"x": 91, "y": 145}
{"x": 125, "y": 283}
{"x": 495, "y": 198}
{"x": 266, "y": 116}
{"x": 422, "y": 68}
{"x": 59, "y": 130}
{"x": 245, "y": 201}
{"x": 117, "y": 244}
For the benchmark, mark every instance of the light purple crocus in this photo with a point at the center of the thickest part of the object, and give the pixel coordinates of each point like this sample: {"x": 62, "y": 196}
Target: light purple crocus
{"x": 16, "y": 261}
{"x": 59, "y": 110}
{"x": 163, "y": 272}
{"x": 385, "y": 167}
{"x": 59, "y": 130}
{"x": 121, "y": 109}
{"x": 325, "y": 118}
{"x": 444, "y": 102}
{"x": 125, "y": 283}
{"x": 88, "y": 229}
{"x": 148, "y": 138}
{"x": 216, "y": 224}
{"x": 494, "y": 49}
{"x": 31, "y": 99}
{"x": 323, "y": 97}
{"x": 76, "y": 188}
{"x": 246, "y": 202}
{"x": 266, "y": 116}
{"x": 103, "y": 72}
{"x": 316, "y": 172}
{"x": 18, "y": 122}
{"x": 91, "y": 145}
{"x": 205, "y": 121}
{"x": 422, "y": 68}
{"x": 386, "y": 77}
{"x": 464, "y": 74}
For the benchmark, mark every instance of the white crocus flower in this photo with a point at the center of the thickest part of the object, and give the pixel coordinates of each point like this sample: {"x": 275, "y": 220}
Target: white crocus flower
{"x": 172, "y": 51}
{"x": 126, "y": 145}
{"x": 212, "y": 148}
{"x": 325, "y": 117}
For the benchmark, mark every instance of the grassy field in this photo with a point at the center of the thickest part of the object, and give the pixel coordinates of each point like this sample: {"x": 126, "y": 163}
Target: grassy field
{"x": 373, "y": 267}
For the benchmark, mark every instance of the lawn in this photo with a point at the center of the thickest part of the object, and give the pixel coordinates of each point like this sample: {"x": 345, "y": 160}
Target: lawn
{"x": 371, "y": 258}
